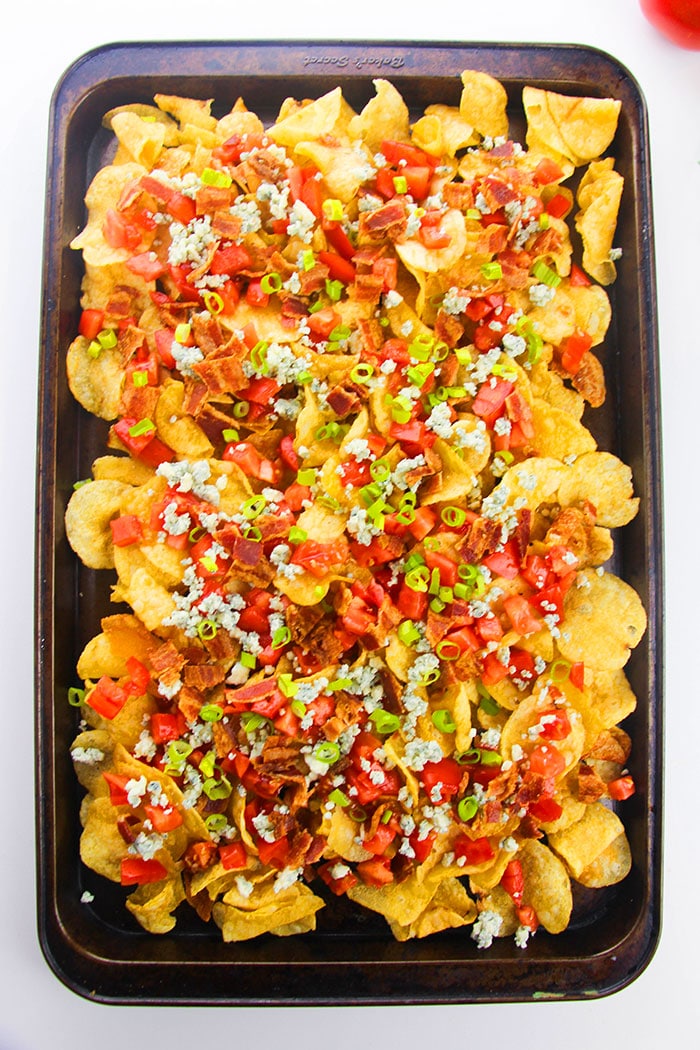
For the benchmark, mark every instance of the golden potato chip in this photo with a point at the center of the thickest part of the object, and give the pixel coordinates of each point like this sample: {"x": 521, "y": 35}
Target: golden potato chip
{"x": 150, "y": 600}
{"x": 153, "y": 904}
{"x": 102, "y": 847}
{"x": 547, "y": 888}
{"x": 194, "y": 111}
{"x": 579, "y": 128}
{"x": 178, "y": 430}
{"x": 606, "y": 482}
{"x": 443, "y": 130}
{"x": 599, "y": 200}
{"x": 604, "y": 620}
{"x": 451, "y": 907}
{"x": 611, "y": 865}
{"x": 88, "y": 514}
{"x": 557, "y": 434}
{"x": 95, "y": 382}
{"x": 328, "y": 115}
{"x": 582, "y": 843}
{"x": 122, "y": 636}
{"x": 483, "y": 104}
{"x": 417, "y": 257}
{"x": 240, "y": 921}
{"x": 143, "y": 140}
{"x": 384, "y": 117}
{"x": 121, "y": 468}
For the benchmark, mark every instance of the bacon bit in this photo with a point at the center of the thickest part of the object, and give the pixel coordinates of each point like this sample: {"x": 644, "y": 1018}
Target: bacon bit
{"x": 365, "y": 257}
{"x": 528, "y": 828}
{"x": 323, "y": 644}
{"x": 449, "y": 329}
{"x": 458, "y": 195}
{"x": 548, "y": 242}
{"x": 313, "y": 280}
{"x": 166, "y": 663}
{"x": 590, "y": 380}
{"x": 222, "y": 375}
{"x": 493, "y": 240}
{"x": 199, "y": 856}
{"x": 172, "y": 314}
{"x": 589, "y": 786}
{"x": 189, "y": 702}
{"x": 130, "y": 340}
{"x": 389, "y": 221}
{"x": 497, "y": 193}
{"x": 246, "y": 552}
{"x": 120, "y": 304}
{"x": 612, "y": 745}
{"x": 204, "y": 677}
{"x": 249, "y": 694}
{"x": 573, "y": 528}
{"x": 125, "y": 826}
{"x": 207, "y": 333}
{"x": 484, "y": 537}
{"x": 226, "y": 226}
{"x": 367, "y": 288}
{"x": 521, "y": 533}
{"x": 347, "y": 397}
{"x": 213, "y": 199}
{"x": 504, "y": 784}
{"x": 531, "y": 789}
{"x": 139, "y": 402}
{"x": 266, "y": 165}
{"x": 301, "y": 620}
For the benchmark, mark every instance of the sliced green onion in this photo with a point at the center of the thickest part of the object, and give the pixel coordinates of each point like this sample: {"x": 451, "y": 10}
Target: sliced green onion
{"x": 94, "y": 349}
{"x": 176, "y": 754}
{"x": 287, "y": 686}
{"x": 139, "y": 378}
{"x": 214, "y": 177}
{"x": 358, "y": 814}
{"x": 442, "y": 719}
{"x": 384, "y": 721}
{"x": 492, "y": 271}
{"x": 298, "y": 708}
{"x": 281, "y": 637}
{"x": 339, "y": 798}
{"x": 408, "y": 632}
{"x": 107, "y": 338}
{"x": 216, "y": 822}
{"x": 253, "y": 507}
{"x": 307, "y": 476}
{"x": 339, "y": 683}
{"x": 559, "y": 670}
{"x": 505, "y": 455}
{"x": 455, "y": 517}
{"x": 206, "y": 766}
{"x": 340, "y": 332}
{"x": 418, "y": 374}
{"x": 420, "y": 349}
{"x": 76, "y": 696}
{"x": 271, "y": 282}
{"x": 535, "y": 345}
{"x": 241, "y": 409}
{"x": 446, "y": 595}
{"x": 473, "y": 213}
{"x": 328, "y": 501}
{"x": 252, "y": 533}
{"x": 297, "y": 534}
{"x": 448, "y": 650}
{"x": 258, "y": 356}
{"x": 431, "y": 676}
{"x": 308, "y": 259}
{"x": 467, "y": 808}
{"x": 490, "y": 758}
{"x": 211, "y": 713}
{"x": 230, "y": 434}
{"x": 463, "y": 355}
{"x": 488, "y": 705}
{"x": 251, "y": 720}
{"x": 361, "y": 372}
{"x": 380, "y": 470}
{"x": 334, "y": 290}
{"x": 248, "y": 660}
{"x": 144, "y": 426}
{"x": 182, "y": 332}
{"x": 462, "y": 591}
{"x": 471, "y": 757}
{"x": 417, "y": 579}
{"x": 386, "y": 816}
{"x": 377, "y": 510}
{"x": 434, "y": 582}
{"x": 543, "y": 221}
{"x": 505, "y": 369}
{"x": 400, "y": 183}
{"x": 206, "y": 629}
{"x": 545, "y": 274}
{"x": 216, "y": 789}
{"x": 333, "y": 209}
{"x": 213, "y": 302}
{"x": 401, "y": 408}
{"x": 414, "y": 559}
{"x": 327, "y": 751}
{"x": 440, "y": 351}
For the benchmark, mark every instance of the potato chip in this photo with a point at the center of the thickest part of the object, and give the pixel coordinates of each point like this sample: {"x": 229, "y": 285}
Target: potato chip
{"x": 142, "y": 140}
{"x": 547, "y": 887}
{"x": 582, "y": 843}
{"x": 557, "y": 434}
{"x": 193, "y": 111}
{"x": 604, "y": 481}
{"x": 578, "y": 128}
{"x": 483, "y": 104}
{"x": 239, "y": 922}
{"x": 417, "y": 257}
{"x": 611, "y": 865}
{"x": 328, "y": 115}
{"x": 599, "y": 198}
{"x": 384, "y": 117}
{"x": 605, "y": 620}
{"x": 152, "y": 905}
{"x": 88, "y": 514}
{"x": 95, "y": 382}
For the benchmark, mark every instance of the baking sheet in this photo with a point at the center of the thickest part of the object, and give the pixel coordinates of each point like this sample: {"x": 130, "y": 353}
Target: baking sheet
{"x": 97, "y": 949}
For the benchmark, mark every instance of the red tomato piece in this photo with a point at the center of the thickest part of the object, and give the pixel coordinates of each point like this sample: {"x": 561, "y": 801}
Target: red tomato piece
{"x": 126, "y": 529}
{"x": 137, "y": 871}
{"x": 547, "y": 761}
{"x": 474, "y": 851}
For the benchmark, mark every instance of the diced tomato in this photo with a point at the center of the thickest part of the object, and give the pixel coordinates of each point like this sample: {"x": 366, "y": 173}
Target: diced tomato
{"x": 233, "y": 855}
{"x": 573, "y": 348}
{"x": 397, "y": 152}
{"x": 505, "y": 563}
{"x": 260, "y": 391}
{"x": 182, "y": 208}
{"x": 513, "y": 882}
{"x": 230, "y": 260}
{"x": 547, "y": 761}
{"x": 358, "y": 617}
{"x": 412, "y": 604}
{"x": 492, "y": 670}
{"x": 521, "y": 664}
{"x": 421, "y": 846}
{"x": 577, "y": 277}
{"x": 576, "y": 675}
{"x": 441, "y": 779}
{"x": 445, "y": 565}
{"x": 91, "y": 323}
{"x": 119, "y": 233}
{"x": 488, "y": 628}
{"x": 423, "y": 523}
{"x": 254, "y": 295}
{"x": 146, "y": 265}
{"x": 545, "y": 810}
{"x": 521, "y": 615}
{"x": 474, "y": 851}
{"x": 536, "y": 571}
{"x": 558, "y": 206}
{"x": 247, "y": 457}
{"x": 163, "y": 820}
{"x": 164, "y": 339}
{"x": 490, "y": 399}
{"x": 137, "y": 871}
{"x": 375, "y": 872}
{"x": 116, "y": 783}
{"x": 383, "y": 837}
{"x": 621, "y": 788}
{"x": 339, "y": 268}
{"x": 319, "y": 558}
{"x": 274, "y": 853}
{"x": 107, "y": 698}
{"x": 312, "y": 196}
{"x": 126, "y": 529}
{"x": 555, "y": 724}
{"x": 166, "y": 727}
{"x": 295, "y": 495}
{"x": 323, "y": 322}
{"x": 355, "y": 473}
{"x": 465, "y": 638}
{"x": 337, "y": 885}
{"x": 139, "y": 677}
{"x": 548, "y": 171}
{"x": 338, "y": 240}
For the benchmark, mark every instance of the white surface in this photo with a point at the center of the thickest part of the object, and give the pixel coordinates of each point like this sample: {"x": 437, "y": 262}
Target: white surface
{"x": 36, "y": 1011}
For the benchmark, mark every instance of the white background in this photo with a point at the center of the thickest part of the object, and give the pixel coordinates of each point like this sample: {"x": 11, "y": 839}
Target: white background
{"x": 36, "y": 1011}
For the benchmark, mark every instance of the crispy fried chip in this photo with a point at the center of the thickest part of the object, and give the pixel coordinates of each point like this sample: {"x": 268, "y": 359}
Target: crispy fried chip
{"x": 605, "y": 620}
{"x": 483, "y": 103}
{"x": 88, "y": 514}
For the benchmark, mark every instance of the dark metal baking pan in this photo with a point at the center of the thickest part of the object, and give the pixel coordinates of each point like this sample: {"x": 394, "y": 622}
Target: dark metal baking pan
{"x": 96, "y": 948}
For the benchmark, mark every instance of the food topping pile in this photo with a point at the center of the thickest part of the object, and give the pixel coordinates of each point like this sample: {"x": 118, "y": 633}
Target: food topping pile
{"x": 366, "y": 643}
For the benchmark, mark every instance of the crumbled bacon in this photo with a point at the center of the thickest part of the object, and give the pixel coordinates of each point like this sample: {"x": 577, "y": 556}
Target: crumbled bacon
{"x": 483, "y": 538}
{"x": 388, "y": 221}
